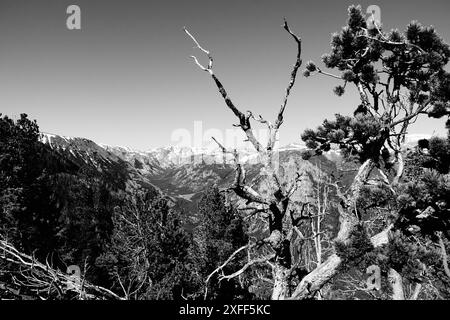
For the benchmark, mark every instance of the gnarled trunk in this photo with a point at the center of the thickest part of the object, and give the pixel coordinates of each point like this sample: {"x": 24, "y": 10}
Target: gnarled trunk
{"x": 316, "y": 279}
{"x": 348, "y": 215}
{"x": 281, "y": 284}
{"x": 396, "y": 282}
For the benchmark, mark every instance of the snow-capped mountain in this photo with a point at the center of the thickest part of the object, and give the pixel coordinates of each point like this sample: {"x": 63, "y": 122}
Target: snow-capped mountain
{"x": 158, "y": 160}
{"x": 174, "y": 156}
{"x": 184, "y": 173}
{"x": 88, "y": 154}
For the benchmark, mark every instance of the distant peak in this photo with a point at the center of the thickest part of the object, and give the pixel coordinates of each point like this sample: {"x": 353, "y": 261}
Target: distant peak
{"x": 50, "y": 138}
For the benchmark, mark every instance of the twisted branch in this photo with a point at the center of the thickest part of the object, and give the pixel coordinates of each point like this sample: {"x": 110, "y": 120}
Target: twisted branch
{"x": 42, "y": 281}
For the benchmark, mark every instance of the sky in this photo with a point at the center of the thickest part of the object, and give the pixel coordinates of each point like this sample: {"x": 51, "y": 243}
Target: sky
{"x": 126, "y": 77}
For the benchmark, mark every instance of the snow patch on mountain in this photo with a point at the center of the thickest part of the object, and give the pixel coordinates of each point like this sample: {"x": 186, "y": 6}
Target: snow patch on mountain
{"x": 159, "y": 159}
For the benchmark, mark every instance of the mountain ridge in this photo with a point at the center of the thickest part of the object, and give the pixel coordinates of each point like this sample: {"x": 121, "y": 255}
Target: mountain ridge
{"x": 183, "y": 174}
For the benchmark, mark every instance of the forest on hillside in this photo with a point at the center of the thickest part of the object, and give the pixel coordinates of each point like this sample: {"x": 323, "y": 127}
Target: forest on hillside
{"x": 377, "y": 226}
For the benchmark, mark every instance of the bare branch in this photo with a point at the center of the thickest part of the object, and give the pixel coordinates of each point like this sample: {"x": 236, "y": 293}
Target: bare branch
{"x": 320, "y": 71}
{"x": 224, "y": 150}
{"x": 412, "y": 115}
{"x": 43, "y": 281}
{"x": 297, "y": 65}
{"x": 219, "y": 268}
{"x": 244, "y": 191}
{"x": 444, "y": 256}
{"x": 246, "y": 266}
{"x": 396, "y": 282}
{"x": 244, "y": 119}
{"x": 415, "y": 294}
{"x": 295, "y": 185}
{"x": 386, "y": 41}
{"x": 210, "y": 65}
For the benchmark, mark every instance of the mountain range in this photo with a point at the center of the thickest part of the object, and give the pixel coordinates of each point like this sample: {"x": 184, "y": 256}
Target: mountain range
{"x": 183, "y": 173}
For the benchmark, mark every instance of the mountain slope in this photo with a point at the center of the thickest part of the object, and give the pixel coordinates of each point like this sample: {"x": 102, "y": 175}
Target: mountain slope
{"x": 90, "y": 156}
{"x": 183, "y": 174}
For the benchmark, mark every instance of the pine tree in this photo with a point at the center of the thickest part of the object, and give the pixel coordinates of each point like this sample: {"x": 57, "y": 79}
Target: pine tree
{"x": 399, "y": 77}
{"x": 20, "y": 170}
{"x": 221, "y": 231}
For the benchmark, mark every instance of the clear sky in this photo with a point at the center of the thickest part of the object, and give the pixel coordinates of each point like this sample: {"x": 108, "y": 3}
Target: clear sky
{"x": 126, "y": 78}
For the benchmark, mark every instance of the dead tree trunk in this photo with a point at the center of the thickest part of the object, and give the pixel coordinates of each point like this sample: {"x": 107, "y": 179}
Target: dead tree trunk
{"x": 276, "y": 202}
{"x": 396, "y": 282}
{"x": 317, "y": 278}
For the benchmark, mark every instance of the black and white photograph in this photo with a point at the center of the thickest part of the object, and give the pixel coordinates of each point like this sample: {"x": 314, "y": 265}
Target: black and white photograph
{"x": 221, "y": 155}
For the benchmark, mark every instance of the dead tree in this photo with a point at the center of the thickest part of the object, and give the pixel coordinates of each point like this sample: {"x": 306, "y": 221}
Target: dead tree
{"x": 27, "y": 277}
{"x": 276, "y": 203}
